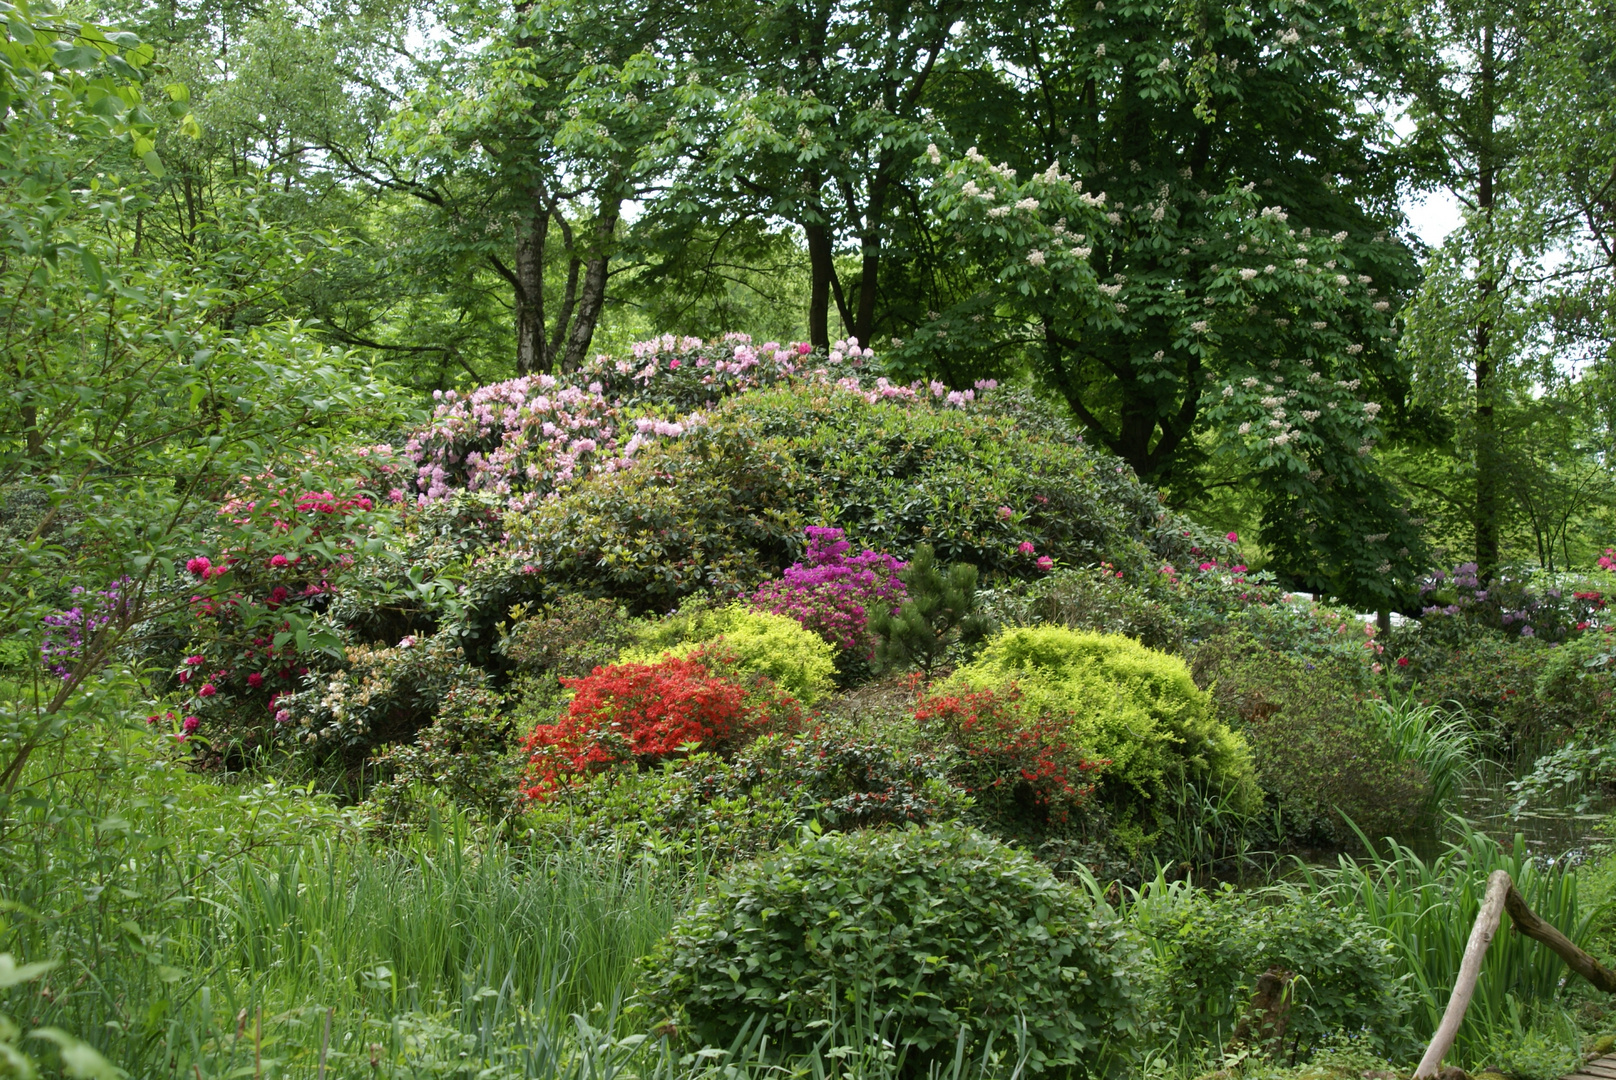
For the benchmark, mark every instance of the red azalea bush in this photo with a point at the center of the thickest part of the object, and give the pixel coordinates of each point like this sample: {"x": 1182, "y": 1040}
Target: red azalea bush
{"x": 1022, "y": 767}
{"x": 646, "y": 713}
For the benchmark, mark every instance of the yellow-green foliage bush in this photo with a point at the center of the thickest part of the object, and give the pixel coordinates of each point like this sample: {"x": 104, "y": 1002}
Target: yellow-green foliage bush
{"x": 798, "y": 660}
{"x": 1134, "y": 706}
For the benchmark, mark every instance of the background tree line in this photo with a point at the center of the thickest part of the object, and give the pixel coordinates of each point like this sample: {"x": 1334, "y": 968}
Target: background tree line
{"x": 463, "y": 192}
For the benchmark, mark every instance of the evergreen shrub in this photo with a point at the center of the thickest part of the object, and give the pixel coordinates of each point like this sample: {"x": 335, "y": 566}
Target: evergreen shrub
{"x": 922, "y": 933}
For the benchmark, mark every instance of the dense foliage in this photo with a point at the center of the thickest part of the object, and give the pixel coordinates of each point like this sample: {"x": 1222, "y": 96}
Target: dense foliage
{"x": 930, "y": 936}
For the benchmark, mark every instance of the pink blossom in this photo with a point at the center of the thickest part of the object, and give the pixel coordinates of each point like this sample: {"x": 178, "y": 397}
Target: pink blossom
{"x": 1005, "y": 513}
{"x": 208, "y": 690}
{"x": 199, "y": 565}
{"x": 803, "y": 348}
{"x": 1026, "y": 547}
{"x": 193, "y": 661}
{"x": 1045, "y": 563}
{"x": 255, "y": 680}
{"x": 1233, "y": 538}
{"x": 190, "y": 724}
{"x": 278, "y": 561}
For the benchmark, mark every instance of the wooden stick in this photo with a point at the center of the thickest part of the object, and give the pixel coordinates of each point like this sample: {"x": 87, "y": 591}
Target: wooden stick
{"x": 1527, "y": 922}
{"x": 1464, "y": 988}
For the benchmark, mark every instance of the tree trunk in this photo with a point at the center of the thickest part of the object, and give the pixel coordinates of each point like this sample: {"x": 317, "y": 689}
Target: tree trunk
{"x": 592, "y": 296}
{"x": 821, "y": 268}
{"x": 529, "y": 288}
{"x": 1487, "y": 554}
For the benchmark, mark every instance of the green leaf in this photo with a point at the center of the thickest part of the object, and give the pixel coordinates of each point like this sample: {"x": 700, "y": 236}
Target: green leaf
{"x": 11, "y": 974}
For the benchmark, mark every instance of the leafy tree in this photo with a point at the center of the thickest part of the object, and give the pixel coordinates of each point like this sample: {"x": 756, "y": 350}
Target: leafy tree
{"x": 1509, "y": 330}
{"x": 129, "y": 399}
{"x": 1186, "y": 240}
{"x": 817, "y": 112}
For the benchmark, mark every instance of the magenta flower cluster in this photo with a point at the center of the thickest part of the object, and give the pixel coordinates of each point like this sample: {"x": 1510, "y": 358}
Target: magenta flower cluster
{"x": 832, "y": 592}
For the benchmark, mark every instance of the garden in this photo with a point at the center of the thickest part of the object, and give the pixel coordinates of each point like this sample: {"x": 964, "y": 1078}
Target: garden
{"x": 798, "y": 542}
{"x": 723, "y": 708}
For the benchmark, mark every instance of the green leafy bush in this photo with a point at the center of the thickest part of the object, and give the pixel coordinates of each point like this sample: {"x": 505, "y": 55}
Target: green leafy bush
{"x": 1097, "y": 599}
{"x": 726, "y": 809}
{"x": 1212, "y": 946}
{"x": 463, "y": 757}
{"x": 1135, "y": 707}
{"x": 1493, "y": 680}
{"x": 717, "y": 510}
{"x": 1318, "y": 754}
{"x": 897, "y": 474}
{"x": 926, "y": 933}
{"x": 567, "y": 639}
{"x": 798, "y": 660}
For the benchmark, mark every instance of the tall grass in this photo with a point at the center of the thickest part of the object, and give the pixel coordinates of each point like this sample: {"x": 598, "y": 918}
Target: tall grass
{"x": 1443, "y": 742}
{"x": 1428, "y": 908}
{"x": 201, "y": 929}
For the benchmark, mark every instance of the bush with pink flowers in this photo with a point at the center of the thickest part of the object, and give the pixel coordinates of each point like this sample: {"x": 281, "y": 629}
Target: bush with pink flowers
{"x": 832, "y": 592}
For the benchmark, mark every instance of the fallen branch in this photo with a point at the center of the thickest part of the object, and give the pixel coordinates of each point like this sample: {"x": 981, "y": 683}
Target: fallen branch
{"x": 1502, "y": 896}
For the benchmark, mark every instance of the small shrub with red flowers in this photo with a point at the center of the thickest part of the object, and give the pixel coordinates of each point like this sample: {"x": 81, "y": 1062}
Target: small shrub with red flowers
{"x": 642, "y": 714}
{"x": 1022, "y": 767}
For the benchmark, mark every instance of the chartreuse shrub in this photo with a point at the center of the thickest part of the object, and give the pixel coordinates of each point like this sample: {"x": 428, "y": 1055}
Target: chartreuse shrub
{"x": 1136, "y": 708}
{"x": 798, "y": 660}
{"x": 929, "y": 935}
{"x": 1213, "y": 945}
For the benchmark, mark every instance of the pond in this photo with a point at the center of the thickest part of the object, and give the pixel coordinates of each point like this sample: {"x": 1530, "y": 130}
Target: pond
{"x": 1564, "y": 824}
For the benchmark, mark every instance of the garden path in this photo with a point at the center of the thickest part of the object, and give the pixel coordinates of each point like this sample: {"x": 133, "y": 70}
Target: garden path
{"x": 1599, "y": 1069}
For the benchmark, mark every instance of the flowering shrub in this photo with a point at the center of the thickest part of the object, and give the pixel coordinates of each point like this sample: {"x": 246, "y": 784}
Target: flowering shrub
{"x": 380, "y": 695}
{"x": 76, "y": 634}
{"x": 527, "y": 437}
{"x": 1019, "y": 765}
{"x": 258, "y": 599}
{"x": 1512, "y": 604}
{"x": 645, "y": 713}
{"x": 1134, "y": 707}
{"x": 831, "y": 592}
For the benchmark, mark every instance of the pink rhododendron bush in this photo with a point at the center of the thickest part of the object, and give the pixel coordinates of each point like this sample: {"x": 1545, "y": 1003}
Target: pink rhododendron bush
{"x": 337, "y": 602}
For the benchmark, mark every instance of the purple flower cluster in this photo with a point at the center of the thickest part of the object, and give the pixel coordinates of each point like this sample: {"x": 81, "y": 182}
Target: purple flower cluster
{"x": 67, "y": 631}
{"x": 831, "y": 592}
{"x": 1510, "y": 604}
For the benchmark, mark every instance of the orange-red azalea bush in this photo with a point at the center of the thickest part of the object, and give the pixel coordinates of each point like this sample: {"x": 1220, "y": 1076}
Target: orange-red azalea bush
{"x": 646, "y": 713}
{"x": 1016, "y": 763}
